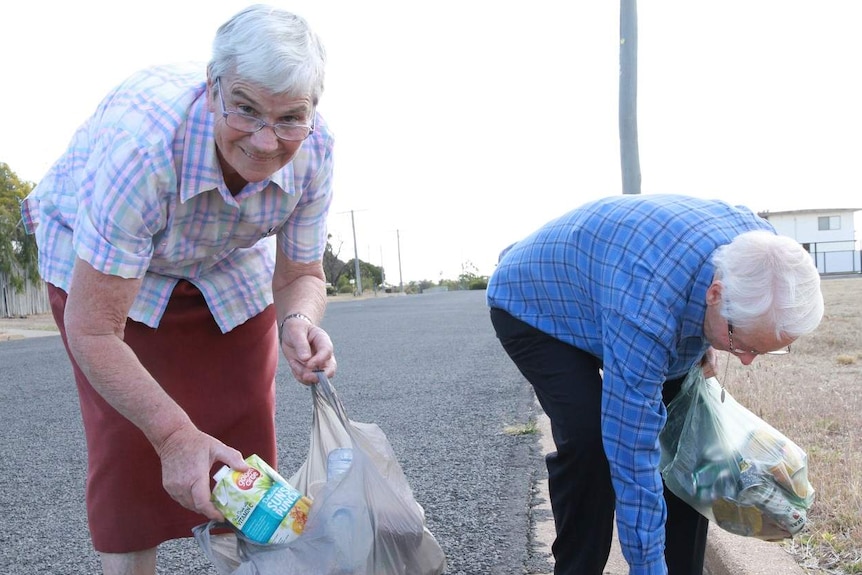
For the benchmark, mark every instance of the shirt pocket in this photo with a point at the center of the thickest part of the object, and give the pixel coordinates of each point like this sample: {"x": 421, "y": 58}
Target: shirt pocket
{"x": 259, "y": 218}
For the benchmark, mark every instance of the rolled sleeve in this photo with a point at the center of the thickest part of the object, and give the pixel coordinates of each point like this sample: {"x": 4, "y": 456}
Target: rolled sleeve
{"x": 27, "y": 218}
{"x": 303, "y": 237}
{"x": 115, "y": 223}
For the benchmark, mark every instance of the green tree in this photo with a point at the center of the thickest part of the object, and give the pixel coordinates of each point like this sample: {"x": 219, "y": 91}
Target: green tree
{"x": 18, "y": 252}
{"x": 470, "y": 279}
{"x": 371, "y": 275}
{"x": 415, "y": 287}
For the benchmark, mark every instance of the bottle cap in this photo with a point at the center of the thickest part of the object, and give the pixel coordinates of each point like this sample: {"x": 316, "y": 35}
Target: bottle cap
{"x": 221, "y": 473}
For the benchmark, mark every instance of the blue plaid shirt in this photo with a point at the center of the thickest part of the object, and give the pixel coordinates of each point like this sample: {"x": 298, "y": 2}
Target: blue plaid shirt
{"x": 625, "y": 279}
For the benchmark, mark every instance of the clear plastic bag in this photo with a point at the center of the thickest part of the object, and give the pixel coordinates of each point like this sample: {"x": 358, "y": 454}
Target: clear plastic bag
{"x": 731, "y": 466}
{"x": 364, "y": 521}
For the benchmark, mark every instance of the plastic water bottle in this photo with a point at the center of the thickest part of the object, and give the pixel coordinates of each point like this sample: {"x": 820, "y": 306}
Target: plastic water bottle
{"x": 338, "y": 462}
{"x": 341, "y": 524}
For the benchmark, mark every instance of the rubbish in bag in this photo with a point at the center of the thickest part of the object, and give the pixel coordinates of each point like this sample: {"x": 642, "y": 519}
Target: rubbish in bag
{"x": 338, "y": 462}
{"x": 371, "y": 500}
{"x": 731, "y": 466}
{"x": 260, "y": 502}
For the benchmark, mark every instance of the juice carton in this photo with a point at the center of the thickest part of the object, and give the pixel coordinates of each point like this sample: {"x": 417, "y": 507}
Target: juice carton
{"x": 260, "y": 502}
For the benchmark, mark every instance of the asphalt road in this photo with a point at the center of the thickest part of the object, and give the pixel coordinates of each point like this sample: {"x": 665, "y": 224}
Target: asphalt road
{"x": 426, "y": 368}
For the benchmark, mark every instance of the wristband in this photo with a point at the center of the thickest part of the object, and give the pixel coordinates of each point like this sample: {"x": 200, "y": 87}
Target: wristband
{"x": 291, "y": 316}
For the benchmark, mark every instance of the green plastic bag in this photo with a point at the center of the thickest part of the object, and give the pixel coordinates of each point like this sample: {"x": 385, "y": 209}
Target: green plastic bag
{"x": 731, "y": 466}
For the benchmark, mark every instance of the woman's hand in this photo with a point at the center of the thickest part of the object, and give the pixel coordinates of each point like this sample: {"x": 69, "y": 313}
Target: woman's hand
{"x": 307, "y": 348}
{"x": 709, "y": 363}
{"x": 187, "y": 456}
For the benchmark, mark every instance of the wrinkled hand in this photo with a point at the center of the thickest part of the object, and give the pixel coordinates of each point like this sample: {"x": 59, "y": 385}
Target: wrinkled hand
{"x": 307, "y": 349}
{"x": 709, "y": 363}
{"x": 187, "y": 457}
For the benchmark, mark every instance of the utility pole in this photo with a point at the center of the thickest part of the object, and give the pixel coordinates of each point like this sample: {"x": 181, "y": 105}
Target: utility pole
{"x": 629, "y": 156}
{"x": 382, "y": 269}
{"x": 357, "y": 272}
{"x": 358, "y": 290}
{"x": 400, "y": 277}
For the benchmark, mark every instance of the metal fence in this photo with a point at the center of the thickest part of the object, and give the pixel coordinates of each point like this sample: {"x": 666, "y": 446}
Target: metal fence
{"x": 839, "y": 262}
{"x": 835, "y": 257}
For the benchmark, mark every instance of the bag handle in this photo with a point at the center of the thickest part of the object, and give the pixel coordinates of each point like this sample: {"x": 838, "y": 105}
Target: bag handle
{"x": 325, "y": 391}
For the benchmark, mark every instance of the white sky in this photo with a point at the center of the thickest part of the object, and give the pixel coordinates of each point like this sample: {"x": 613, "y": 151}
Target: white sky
{"x": 463, "y": 125}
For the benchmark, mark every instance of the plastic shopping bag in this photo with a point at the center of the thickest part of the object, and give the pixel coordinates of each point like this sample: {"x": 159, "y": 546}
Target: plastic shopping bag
{"x": 731, "y": 466}
{"x": 363, "y": 521}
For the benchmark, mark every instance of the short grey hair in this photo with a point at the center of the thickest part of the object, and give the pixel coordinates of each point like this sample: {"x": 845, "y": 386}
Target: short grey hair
{"x": 769, "y": 280}
{"x": 271, "y": 48}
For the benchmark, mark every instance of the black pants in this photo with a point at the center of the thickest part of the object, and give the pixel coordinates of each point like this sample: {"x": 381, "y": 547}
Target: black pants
{"x": 568, "y": 386}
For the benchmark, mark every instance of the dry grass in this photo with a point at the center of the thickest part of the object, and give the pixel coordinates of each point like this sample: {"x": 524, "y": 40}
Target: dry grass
{"x": 814, "y": 397}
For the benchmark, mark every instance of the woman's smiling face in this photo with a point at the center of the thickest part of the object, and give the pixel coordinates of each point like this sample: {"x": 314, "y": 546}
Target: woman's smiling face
{"x": 253, "y": 157}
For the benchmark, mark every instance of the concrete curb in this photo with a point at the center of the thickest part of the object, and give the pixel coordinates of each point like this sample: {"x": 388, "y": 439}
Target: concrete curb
{"x": 7, "y": 334}
{"x": 726, "y": 554}
{"x": 729, "y": 554}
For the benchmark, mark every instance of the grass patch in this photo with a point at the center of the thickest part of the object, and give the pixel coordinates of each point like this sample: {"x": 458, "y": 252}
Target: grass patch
{"x": 814, "y": 397}
{"x": 529, "y": 428}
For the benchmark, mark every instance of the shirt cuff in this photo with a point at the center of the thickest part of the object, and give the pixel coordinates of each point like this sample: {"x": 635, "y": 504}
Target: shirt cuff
{"x": 657, "y": 567}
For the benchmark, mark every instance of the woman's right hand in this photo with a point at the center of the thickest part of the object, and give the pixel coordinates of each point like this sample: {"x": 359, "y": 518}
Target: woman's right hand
{"x": 188, "y": 456}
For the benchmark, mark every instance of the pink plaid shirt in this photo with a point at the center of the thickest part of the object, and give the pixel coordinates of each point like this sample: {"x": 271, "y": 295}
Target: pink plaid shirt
{"x": 139, "y": 193}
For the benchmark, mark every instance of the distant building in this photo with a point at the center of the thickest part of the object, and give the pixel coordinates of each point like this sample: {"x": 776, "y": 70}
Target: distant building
{"x": 828, "y": 235}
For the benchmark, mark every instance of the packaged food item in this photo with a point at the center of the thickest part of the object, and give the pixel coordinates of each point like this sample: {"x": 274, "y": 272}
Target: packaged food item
{"x": 785, "y": 461}
{"x": 713, "y": 480}
{"x": 757, "y": 488}
{"x": 730, "y": 516}
{"x": 260, "y": 502}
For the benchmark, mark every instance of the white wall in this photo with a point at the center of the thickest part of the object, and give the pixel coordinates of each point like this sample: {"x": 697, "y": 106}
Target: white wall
{"x": 834, "y": 251}
{"x": 804, "y": 227}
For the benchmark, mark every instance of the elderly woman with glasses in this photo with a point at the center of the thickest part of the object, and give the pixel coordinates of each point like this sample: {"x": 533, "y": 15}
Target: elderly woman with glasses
{"x": 173, "y": 308}
{"x": 604, "y": 310}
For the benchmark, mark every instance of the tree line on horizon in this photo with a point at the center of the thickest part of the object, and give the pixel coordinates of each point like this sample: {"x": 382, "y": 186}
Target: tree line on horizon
{"x": 341, "y": 276}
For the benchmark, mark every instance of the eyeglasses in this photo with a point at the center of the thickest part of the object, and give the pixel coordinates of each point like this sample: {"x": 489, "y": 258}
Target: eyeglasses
{"x": 735, "y": 351}
{"x": 250, "y": 124}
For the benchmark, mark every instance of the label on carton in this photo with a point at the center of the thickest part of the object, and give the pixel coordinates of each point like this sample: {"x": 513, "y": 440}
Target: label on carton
{"x": 260, "y": 502}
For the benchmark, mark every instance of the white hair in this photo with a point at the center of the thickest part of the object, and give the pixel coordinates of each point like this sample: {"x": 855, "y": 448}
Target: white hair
{"x": 769, "y": 280}
{"x": 271, "y": 48}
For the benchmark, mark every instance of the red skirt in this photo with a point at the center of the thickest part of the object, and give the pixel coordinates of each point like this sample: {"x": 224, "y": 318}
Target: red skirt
{"x": 226, "y": 384}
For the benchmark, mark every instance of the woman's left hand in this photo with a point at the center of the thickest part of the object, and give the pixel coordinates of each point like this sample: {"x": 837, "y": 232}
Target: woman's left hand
{"x": 709, "y": 363}
{"x": 307, "y": 348}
